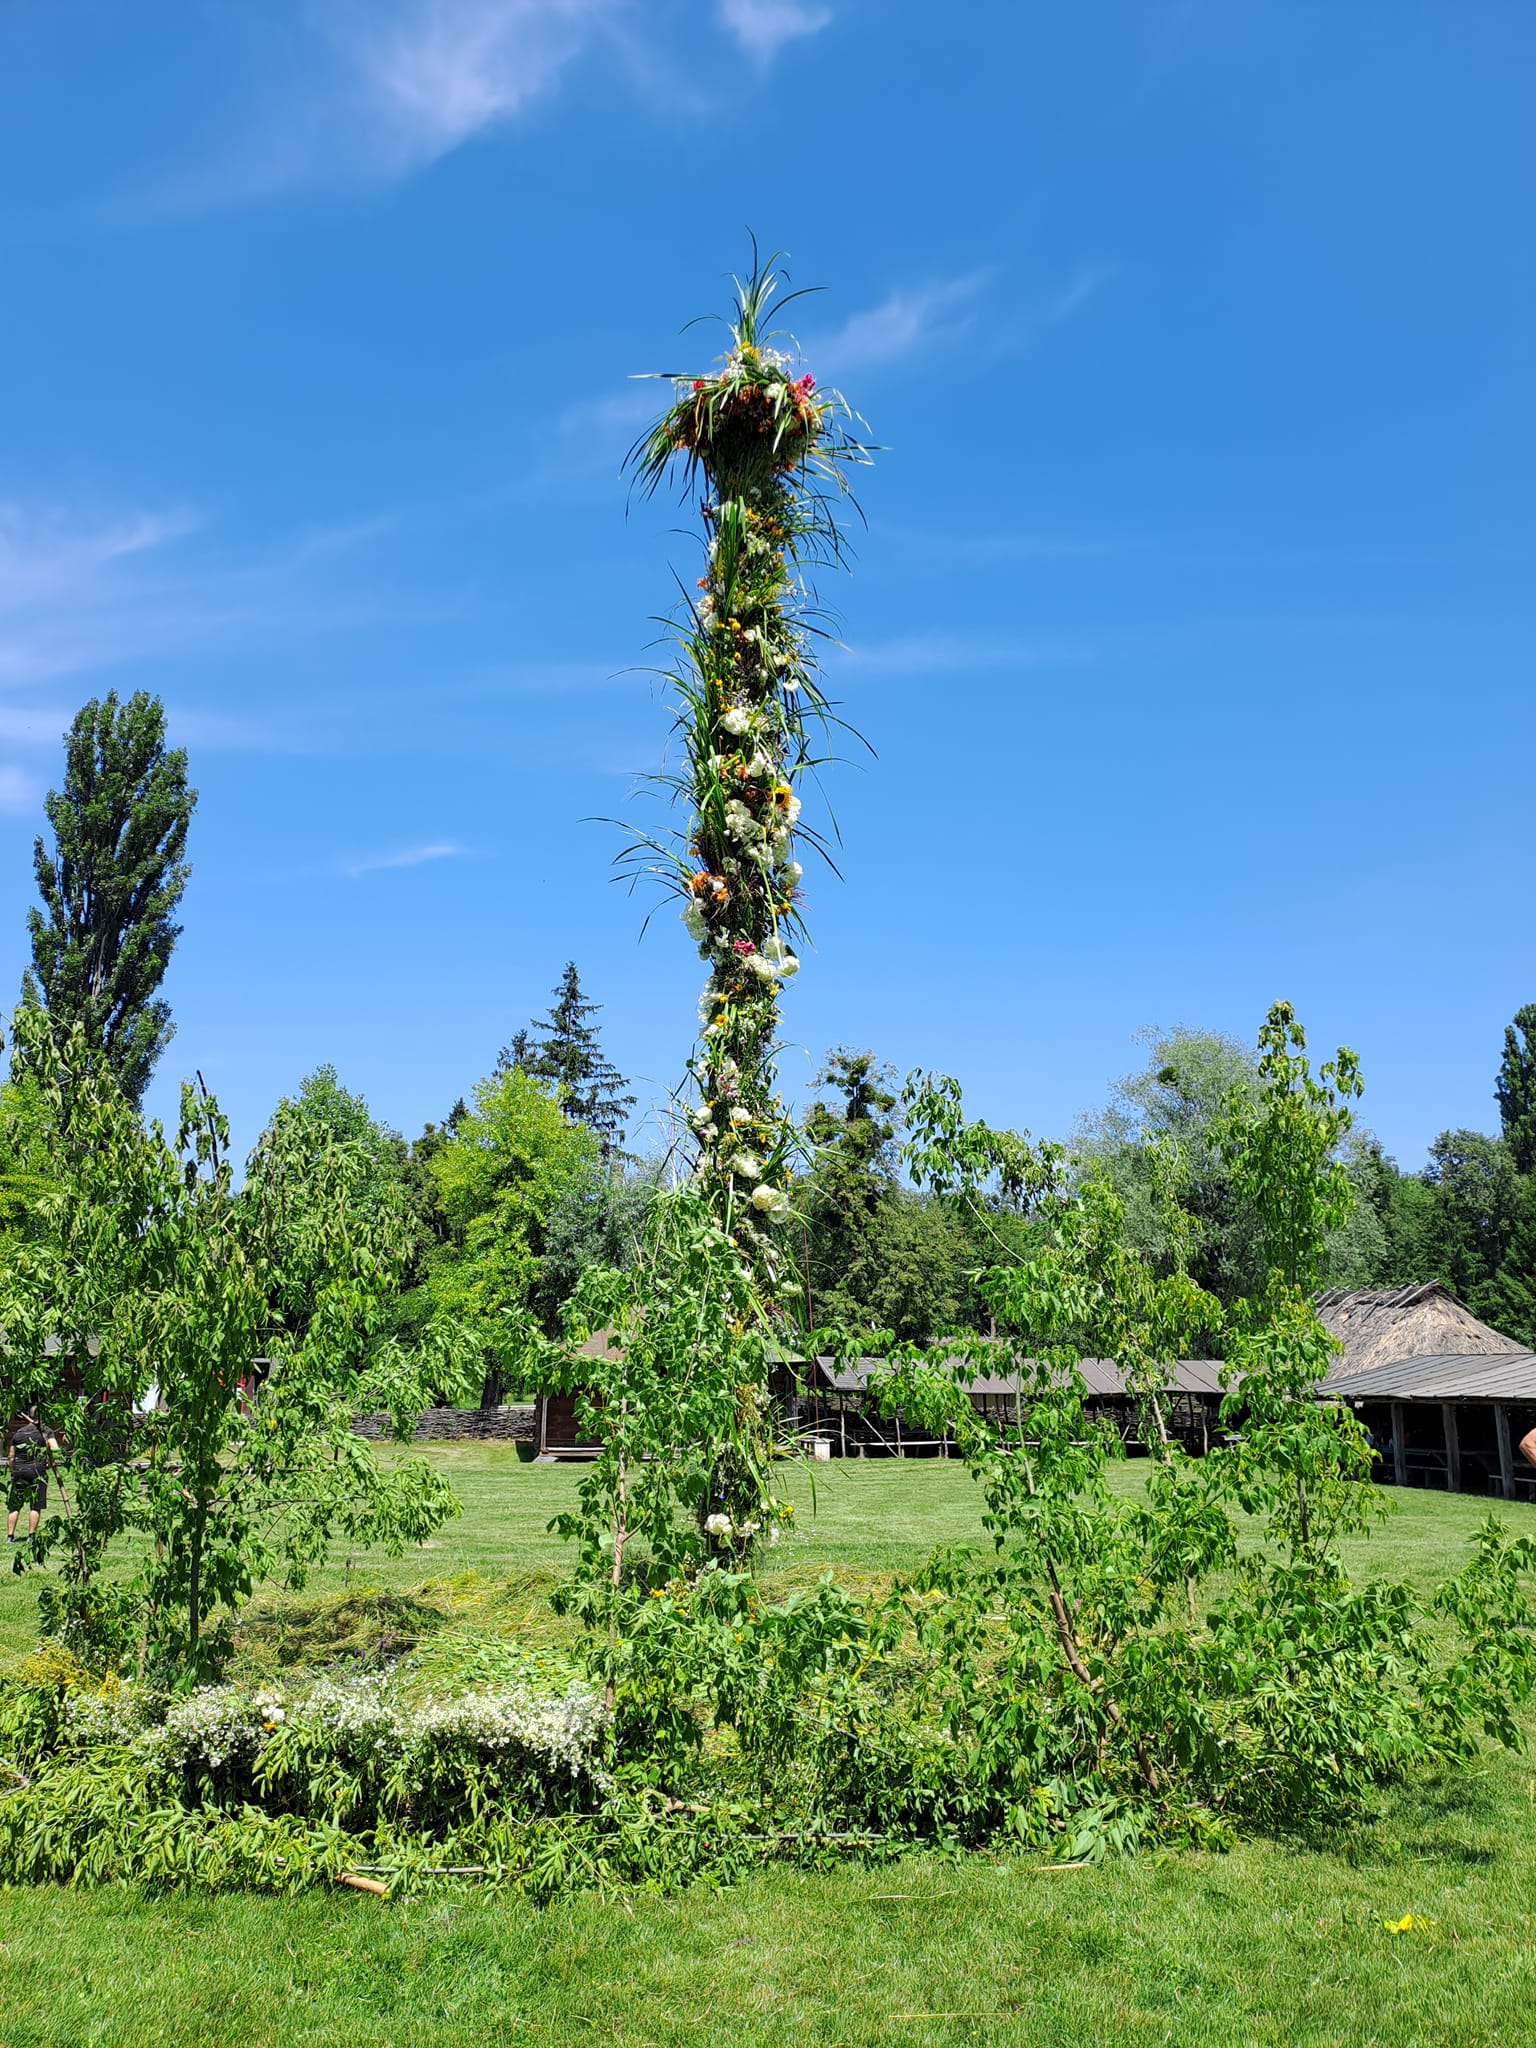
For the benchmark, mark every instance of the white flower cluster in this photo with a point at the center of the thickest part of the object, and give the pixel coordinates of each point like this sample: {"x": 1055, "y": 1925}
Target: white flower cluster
{"x": 771, "y": 833}
{"x": 225, "y": 1724}
{"x": 723, "y": 1527}
{"x": 562, "y": 1732}
{"x": 740, "y": 823}
{"x": 768, "y": 358}
{"x": 215, "y": 1725}
{"x": 112, "y": 1717}
{"x": 356, "y": 1712}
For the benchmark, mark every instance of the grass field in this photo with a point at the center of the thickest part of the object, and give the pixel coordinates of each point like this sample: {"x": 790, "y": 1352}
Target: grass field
{"x": 1267, "y": 1945}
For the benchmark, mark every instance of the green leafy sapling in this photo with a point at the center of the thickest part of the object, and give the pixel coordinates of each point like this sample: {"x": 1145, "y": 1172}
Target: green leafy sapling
{"x": 1076, "y": 1668}
{"x": 150, "y": 1327}
{"x": 1298, "y": 1459}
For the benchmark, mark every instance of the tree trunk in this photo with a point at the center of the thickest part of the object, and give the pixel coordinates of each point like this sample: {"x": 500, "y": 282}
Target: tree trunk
{"x": 194, "y": 1576}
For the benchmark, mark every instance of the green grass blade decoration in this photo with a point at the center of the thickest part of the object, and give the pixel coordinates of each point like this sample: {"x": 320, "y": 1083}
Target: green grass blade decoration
{"x": 771, "y": 455}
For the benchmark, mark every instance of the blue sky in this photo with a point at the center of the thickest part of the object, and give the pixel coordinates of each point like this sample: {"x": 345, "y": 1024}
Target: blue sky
{"x": 1194, "y": 623}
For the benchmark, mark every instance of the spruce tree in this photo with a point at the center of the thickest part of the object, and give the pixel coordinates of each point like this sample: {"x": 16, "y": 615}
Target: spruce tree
{"x": 1515, "y": 1089}
{"x": 853, "y": 1177}
{"x": 104, "y": 936}
{"x": 565, "y": 1048}
{"x": 520, "y": 1053}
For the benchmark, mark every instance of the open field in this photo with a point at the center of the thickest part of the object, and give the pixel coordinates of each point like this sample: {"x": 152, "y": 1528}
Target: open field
{"x": 1268, "y": 1945}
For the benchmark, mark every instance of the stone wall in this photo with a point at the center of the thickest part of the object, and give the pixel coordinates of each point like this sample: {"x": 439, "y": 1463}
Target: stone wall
{"x": 455, "y": 1425}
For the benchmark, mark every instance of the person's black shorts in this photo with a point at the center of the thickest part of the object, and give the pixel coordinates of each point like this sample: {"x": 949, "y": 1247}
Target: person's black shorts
{"x": 27, "y": 1489}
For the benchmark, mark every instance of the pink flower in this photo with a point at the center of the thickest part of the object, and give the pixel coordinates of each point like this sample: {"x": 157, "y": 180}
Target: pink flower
{"x": 742, "y": 946}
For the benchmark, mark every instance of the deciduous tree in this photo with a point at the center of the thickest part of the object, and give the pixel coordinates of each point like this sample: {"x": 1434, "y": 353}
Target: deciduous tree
{"x": 202, "y": 1417}
{"x": 501, "y": 1176}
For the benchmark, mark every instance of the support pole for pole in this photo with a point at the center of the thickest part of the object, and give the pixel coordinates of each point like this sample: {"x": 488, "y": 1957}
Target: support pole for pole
{"x": 1399, "y": 1446}
{"x": 1452, "y": 1447}
{"x": 1506, "y": 1451}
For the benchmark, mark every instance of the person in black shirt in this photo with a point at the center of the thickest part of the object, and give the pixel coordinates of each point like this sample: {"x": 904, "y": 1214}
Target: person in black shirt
{"x": 26, "y": 1459}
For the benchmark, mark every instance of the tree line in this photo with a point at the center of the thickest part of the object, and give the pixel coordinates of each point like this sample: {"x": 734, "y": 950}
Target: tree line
{"x": 1466, "y": 1217}
{"x": 528, "y": 1180}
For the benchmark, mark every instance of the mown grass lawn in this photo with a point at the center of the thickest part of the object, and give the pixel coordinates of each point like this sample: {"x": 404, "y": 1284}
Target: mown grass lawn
{"x": 1268, "y": 1945}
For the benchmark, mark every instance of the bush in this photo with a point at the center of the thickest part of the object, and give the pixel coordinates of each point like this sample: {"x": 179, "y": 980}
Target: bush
{"x": 105, "y": 1773}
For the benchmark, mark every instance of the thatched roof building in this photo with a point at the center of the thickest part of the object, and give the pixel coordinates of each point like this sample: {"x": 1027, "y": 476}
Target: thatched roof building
{"x": 1385, "y": 1326}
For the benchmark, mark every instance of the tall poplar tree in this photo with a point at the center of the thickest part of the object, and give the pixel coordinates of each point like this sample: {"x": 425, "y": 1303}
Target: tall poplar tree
{"x": 1515, "y": 1088}
{"x": 110, "y": 887}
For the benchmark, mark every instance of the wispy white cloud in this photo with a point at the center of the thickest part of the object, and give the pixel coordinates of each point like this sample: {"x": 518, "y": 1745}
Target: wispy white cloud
{"x": 219, "y": 731}
{"x": 363, "y": 91}
{"x": 371, "y": 90}
{"x": 942, "y": 652}
{"x": 44, "y": 556}
{"x": 71, "y": 590}
{"x": 942, "y": 544}
{"x": 630, "y": 408}
{"x": 577, "y": 457}
{"x": 88, "y": 602}
{"x": 18, "y": 790}
{"x": 434, "y": 73}
{"x": 1072, "y": 297}
{"x": 764, "y": 26}
{"x": 915, "y": 318}
{"x": 32, "y": 725}
{"x": 404, "y": 857}
{"x": 905, "y": 320}
{"x": 81, "y": 596}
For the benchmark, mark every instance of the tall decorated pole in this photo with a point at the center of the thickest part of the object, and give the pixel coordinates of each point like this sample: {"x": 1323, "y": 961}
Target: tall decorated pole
{"x": 771, "y": 453}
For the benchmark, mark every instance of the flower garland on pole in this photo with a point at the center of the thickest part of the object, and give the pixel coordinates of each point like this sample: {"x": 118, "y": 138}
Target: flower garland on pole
{"x": 772, "y": 453}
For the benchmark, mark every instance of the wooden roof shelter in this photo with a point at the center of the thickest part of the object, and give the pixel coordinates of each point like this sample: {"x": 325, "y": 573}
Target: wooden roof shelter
{"x": 1100, "y": 1375}
{"x": 1454, "y": 1376}
{"x": 1381, "y": 1326}
{"x": 821, "y": 1394}
{"x": 1464, "y": 1419}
